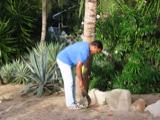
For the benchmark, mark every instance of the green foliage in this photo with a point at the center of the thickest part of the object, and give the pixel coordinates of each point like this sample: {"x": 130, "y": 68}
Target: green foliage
{"x": 102, "y": 73}
{"x": 61, "y": 3}
{"x": 151, "y": 6}
{"x": 107, "y": 6}
{"x": 81, "y": 8}
{"x": 137, "y": 76}
{"x": 16, "y": 27}
{"x": 130, "y": 32}
{"x": 21, "y": 21}
{"x": 66, "y": 13}
{"x": 21, "y": 73}
{"x": 6, "y": 72}
{"x": 54, "y": 48}
{"x": 5, "y": 42}
{"x": 123, "y": 28}
{"x": 43, "y": 67}
{"x": 15, "y": 72}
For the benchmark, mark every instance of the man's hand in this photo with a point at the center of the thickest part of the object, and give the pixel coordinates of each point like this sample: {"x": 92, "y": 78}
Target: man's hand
{"x": 83, "y": 92}
{"x": 85, "y": 95}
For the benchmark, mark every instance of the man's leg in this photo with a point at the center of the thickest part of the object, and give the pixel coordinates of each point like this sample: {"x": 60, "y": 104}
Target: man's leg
{"x": 69, "y": 83}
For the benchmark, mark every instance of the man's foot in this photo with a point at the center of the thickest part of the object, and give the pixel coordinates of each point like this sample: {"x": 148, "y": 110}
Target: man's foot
{"x": 76, "y": 106}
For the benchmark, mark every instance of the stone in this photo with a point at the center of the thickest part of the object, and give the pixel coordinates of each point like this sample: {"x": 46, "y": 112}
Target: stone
{"x": 97, "y": 97}
{"x": 154, "y": 109}
{"x": 6, "y": 97}
{"x": 119, "y": 99}
{"x": 138, "y": 105}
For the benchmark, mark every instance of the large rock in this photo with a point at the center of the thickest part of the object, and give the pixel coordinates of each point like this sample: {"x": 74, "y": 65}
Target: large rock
{"x": 154, "y": 109}
{"x": 117, "y": 99}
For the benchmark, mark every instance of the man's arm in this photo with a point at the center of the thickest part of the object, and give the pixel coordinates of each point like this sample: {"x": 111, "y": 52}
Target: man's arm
{"x": 83, "y": 79}
{"x": 79, "y": 75}
{"x": 88, "y": 66}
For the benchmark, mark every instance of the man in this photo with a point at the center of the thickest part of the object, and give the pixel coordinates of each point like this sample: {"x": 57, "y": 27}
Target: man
{"x": 77, "y": 54}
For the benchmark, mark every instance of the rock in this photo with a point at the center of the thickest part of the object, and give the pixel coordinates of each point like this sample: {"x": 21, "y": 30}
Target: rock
{"x": 97, "y": 97}
{"x": 6, "y": 97}
{"x": 149, "y": 98}
{"x": 138, "y": 105}
{"x": 119, "y": 99}
{"x": 154, "y": 109}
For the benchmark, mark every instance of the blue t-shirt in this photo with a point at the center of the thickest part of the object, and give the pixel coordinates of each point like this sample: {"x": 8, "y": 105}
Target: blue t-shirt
{"x": 78, "y": 51}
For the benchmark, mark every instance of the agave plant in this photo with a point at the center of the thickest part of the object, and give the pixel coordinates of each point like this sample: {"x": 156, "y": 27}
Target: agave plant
{"x": 43, "y": 67}
{"x": 21, "y": 73}
{"x": 15, "y": 72}
{"x": 6, "y": 72}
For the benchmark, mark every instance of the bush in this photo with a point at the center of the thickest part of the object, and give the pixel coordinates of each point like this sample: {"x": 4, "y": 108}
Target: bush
{"x": 138, "y": 76}
{"x": 102, "y": 73}
{"x": 129, "y": 32}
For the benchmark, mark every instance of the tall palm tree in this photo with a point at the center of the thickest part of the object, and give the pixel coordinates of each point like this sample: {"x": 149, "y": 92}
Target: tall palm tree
{"x": 89, "y": 20}
{"x": 44, "y": 20}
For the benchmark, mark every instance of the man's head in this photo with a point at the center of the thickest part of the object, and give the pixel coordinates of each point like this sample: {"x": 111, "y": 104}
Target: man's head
{"x": 96, "y": 47}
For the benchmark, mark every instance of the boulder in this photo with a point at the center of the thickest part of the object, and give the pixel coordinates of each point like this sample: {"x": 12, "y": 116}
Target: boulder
{"x": 154, "y": 109}
{"x": 97, "y": 97}
{"x": 138, "y": 105}
{"x": 119, "y": 99}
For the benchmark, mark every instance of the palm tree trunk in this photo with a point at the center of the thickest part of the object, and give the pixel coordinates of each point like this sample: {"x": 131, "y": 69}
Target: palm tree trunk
{"x": 89, "y": 36}
{"x": 44, "y": 20}
{"x": 90, "y": 20}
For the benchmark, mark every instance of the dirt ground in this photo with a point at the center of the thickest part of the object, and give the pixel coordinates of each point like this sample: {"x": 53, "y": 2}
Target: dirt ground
{"x": 15, "y": 107}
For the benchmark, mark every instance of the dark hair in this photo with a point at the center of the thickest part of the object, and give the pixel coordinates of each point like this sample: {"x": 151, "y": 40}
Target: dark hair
{"x": 97, "y": 43}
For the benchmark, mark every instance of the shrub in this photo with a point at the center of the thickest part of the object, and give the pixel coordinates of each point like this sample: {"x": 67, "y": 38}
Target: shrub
{"x": 137, "y": 75}
{"x": 102, "y": 73}
{"x": 129, "y": 32}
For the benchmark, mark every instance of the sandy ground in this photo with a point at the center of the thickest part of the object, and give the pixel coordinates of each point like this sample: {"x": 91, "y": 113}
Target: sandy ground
{"x": 15, "y": 107}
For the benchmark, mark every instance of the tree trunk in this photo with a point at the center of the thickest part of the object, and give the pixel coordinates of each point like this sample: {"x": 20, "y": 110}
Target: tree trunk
{"x": 89, "y": 20}
{"x": 44, "y": 20}
{"x": 89, "y": 36}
